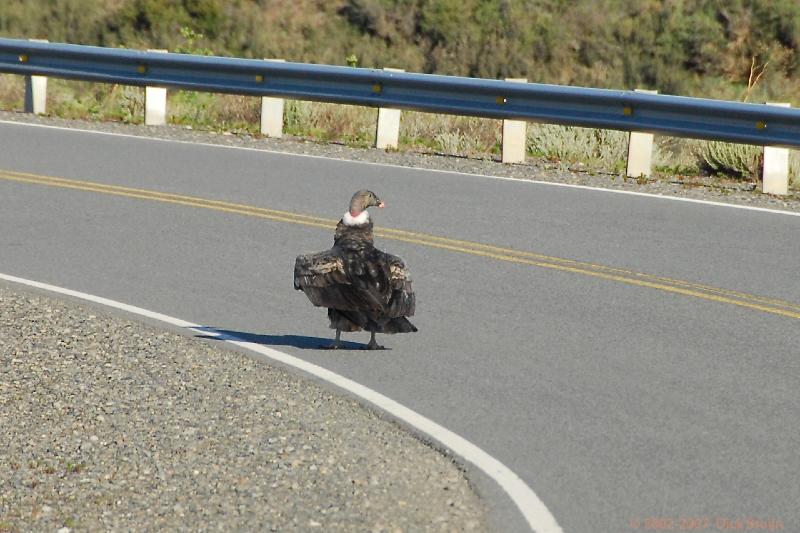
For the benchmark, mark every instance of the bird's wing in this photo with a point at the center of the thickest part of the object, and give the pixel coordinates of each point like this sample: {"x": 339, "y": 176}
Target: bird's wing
{"x": 319, "y": 270}
{"x": 334, "y": 280}
{"x": 357, "y": 278}
{"x": 380, "y": 284}
{"x": 399, "y": 276}
{"x": 402, "y": 301}
{"x": 322, "y": 278}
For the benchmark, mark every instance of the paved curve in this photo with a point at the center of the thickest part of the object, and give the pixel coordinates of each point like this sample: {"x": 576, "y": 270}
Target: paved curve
{"x": 614, "y": 402}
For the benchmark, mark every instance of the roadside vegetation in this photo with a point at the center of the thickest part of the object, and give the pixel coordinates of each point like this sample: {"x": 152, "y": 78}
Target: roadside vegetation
{"x": 746, "y": 50}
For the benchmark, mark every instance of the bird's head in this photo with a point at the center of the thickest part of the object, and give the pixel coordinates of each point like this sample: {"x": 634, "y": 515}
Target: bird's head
{"x": 362, "y": 200}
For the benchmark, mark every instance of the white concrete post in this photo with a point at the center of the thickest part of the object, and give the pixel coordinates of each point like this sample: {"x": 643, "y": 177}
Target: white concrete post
{"x": 387, "y": 134}
{"x": 155, "y": 103}
{"x": 515, "y": 141}
{"x": 775, "y": 176}
{"x": 36, "y": 94}
{"x": 272, "y": 113}
{"x": 640, "y": 151}
{"x": 36, "y": 91}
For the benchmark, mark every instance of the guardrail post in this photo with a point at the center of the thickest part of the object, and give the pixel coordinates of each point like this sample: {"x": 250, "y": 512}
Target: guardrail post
{"x": 775, "y": 175}
{"x": 640, "y": 151}
{"x": 515, "y": 141}
{"x": 155, "y": 103}
{"x": 272, "y": 113}
{"x": 387, "y": 134}
{"x": 36, "y": 91}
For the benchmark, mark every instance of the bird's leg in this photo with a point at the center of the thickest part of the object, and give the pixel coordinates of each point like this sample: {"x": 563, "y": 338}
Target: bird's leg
{"x": 373, "y": 345}
{"x": 336, "y": 343}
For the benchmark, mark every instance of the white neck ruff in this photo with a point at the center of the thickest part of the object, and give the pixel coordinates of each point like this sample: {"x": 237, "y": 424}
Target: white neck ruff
{"x": 361, "y": 219}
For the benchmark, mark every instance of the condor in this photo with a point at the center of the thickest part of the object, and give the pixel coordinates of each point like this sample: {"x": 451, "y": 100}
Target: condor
{"x": 362, "y": 287}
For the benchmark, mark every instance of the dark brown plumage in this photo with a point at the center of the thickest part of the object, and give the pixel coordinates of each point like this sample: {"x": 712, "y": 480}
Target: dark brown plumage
{"x": 362, "y": 287}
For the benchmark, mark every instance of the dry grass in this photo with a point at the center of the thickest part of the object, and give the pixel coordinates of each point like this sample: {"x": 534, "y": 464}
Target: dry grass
{"x": 331, "y": 122}
{"x": 12, "y": 92}
{"x": 450, "y": 134}
{"x": 218, "y": 112}
{"x": 594, "y": 149}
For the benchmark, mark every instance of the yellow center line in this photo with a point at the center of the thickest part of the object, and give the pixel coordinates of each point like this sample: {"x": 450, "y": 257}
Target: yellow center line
{"x": 392, "y": 233}
{"x": 675, "y": 286}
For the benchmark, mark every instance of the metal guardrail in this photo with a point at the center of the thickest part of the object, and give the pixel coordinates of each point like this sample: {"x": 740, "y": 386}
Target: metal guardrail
{"x": 679, "y": 116}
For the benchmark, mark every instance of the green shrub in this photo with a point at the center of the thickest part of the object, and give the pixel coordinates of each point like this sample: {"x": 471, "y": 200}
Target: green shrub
{"x": 741, "y": 160}
{"x": 732, "y": 160}
{"x": 597, "y": 149}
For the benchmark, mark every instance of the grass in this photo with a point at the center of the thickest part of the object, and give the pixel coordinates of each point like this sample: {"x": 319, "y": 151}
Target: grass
{"x": 74, "y": 468}
{"x": 589, "y": 150}
{"x": 351, "y": 125}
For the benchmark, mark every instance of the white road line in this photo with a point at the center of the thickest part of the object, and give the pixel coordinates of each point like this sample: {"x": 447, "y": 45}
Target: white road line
{"x": 440, "y": 171}
{"x": 534, "y": 511}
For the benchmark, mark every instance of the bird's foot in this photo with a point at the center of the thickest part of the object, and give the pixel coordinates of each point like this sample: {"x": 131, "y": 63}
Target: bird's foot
{"x": 374, "y": 346}
{"x": 336, "y": 344}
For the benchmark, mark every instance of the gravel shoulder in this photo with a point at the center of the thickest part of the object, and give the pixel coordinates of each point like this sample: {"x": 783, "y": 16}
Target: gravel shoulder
{"x": 110, "y": 424}
{"x": 695, "y": 187}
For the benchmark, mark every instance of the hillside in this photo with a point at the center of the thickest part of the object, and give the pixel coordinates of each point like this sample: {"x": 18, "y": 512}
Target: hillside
{"x": 707, "y": 48}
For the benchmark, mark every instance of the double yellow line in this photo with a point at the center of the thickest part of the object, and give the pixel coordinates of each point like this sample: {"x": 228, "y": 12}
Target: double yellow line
{"x": 675, "y": 286}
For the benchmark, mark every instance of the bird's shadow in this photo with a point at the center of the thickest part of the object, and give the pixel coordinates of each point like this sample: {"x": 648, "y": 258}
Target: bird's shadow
{"x": 296, "y": 341}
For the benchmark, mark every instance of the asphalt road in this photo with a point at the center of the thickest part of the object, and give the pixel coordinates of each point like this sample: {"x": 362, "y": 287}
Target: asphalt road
{"x": 616, "y": 401}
